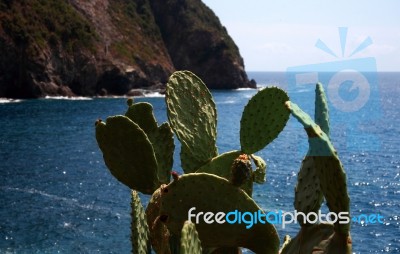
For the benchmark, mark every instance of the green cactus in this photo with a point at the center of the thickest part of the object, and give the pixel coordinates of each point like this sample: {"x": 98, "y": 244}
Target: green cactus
{"x": 263, "y": 119}
{"x": 329, "y": 169}
{"x": 190, "y": 242}
{"x": 128, "y": 153}
{"x": 193, "y": 117}
{"x": 321, "y": 109}
{"x": 138, "y": 153}
{"x": 215, "y": 194}
{"x": 161, "y": 137}
{"x": 140, "y": 230}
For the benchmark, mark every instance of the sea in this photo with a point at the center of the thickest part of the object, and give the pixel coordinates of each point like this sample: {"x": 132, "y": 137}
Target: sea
{"x": 57, "y": 195}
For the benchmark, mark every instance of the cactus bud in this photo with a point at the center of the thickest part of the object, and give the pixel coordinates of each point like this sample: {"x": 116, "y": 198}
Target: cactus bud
{"x": 241, "y": 170}
{"x": 129, "y": 102}
{"x": 175, "y": 175}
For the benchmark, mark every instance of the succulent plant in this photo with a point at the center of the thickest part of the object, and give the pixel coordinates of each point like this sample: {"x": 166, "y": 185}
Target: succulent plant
{"x": 321, "y": 175}
{"x": 139, "y": 153}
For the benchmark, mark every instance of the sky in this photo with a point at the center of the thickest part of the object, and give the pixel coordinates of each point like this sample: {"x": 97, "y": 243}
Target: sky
{"x": 277, "y": 35}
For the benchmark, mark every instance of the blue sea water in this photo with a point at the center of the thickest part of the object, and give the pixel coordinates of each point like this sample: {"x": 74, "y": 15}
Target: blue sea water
{"x": 57, "y": 196}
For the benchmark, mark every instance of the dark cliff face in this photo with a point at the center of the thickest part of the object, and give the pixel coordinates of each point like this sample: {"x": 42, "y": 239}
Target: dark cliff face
{"x": 76, "y": 47}
{"x": 197, "y": 41}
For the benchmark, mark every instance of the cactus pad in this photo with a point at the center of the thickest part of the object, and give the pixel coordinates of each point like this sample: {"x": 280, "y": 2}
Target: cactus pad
{"x": 142, "y": 114}
{"x": 163, "y": 144}
{"x": 308, "y": 196}
{"x": 263, "y": 119}
{"x": 161, "y": 137}
{"x": 333, "y": 185}
{"x": 140, "y": 230}
{"x": 193, "y": 117}
{"x": 321, "y": 109}
{"x": 128, "y": 153}
{"x": 190, "y": 242}
{"x": 210, "y": 193}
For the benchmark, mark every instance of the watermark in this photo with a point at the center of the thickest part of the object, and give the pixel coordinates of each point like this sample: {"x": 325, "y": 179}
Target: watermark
{"x": 249, "y": 219}
{"x": 351, "y": 85}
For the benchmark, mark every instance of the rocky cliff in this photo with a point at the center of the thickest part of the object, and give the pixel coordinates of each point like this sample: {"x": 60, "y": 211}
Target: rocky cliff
{"x": 100, "y": 47}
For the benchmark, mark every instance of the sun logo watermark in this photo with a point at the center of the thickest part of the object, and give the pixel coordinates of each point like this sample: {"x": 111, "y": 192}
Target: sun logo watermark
{"x": 351, "y": 85}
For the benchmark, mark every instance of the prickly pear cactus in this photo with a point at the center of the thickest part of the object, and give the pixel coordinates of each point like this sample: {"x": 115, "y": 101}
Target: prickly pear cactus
{"x": 190, "y": 242}
{"x": 193, "y": 117}
{"x": 321, "y": 109}
{"x": 211, "y": 193}
{"x": 128, "y": 153}
{"x": 138, "y": 153}
{"x": 161, "y": 137}
{"x": 329, "y": 169}
{"x": 140, "y": 230}
{"x": 263, "y": 118}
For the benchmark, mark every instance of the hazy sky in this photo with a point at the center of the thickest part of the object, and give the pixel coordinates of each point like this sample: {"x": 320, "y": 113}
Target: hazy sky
{"x": 275, "y": 35}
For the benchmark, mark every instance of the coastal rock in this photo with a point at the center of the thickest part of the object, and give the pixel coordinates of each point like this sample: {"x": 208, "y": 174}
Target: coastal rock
{"x": 197, "y": 41}
{"x": 103, "y": 47}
